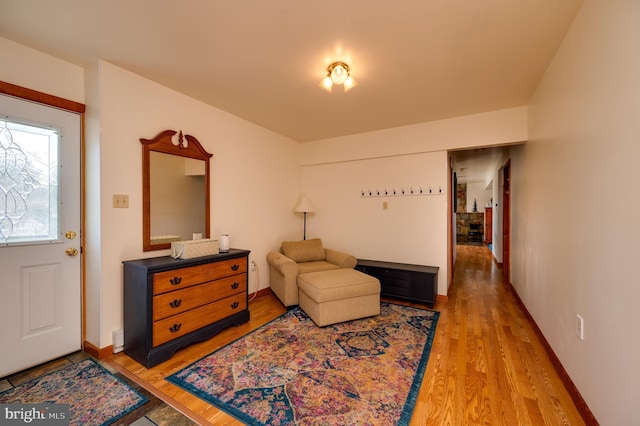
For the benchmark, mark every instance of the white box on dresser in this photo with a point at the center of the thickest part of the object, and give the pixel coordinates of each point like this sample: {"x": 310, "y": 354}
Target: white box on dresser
{"x": 194, "y": 248}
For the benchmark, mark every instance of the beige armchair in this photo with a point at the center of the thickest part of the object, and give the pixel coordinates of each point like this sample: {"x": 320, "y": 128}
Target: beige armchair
{"x": 300, "y": 257}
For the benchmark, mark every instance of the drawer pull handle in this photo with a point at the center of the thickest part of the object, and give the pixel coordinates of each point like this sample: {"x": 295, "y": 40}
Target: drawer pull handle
{"x": 235, "y": 267}
{"x": 176, "y": 303}
{"x": 234, "y": 305}
{"x": 175, "y": 281}
{"x": 235, "y": 285}
{"x": 175, "y": 328}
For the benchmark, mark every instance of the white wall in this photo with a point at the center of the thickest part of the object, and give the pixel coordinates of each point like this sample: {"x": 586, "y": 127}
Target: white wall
{"x": 576, "y": 203}
{"x": 478, "y": 191}
{"x": 478, "y": 130}
{"x": 254, "y": 178}
{"x": 413, "y": 229}
{"x": 496, "y": 193}
{"x": 23, "y": 66}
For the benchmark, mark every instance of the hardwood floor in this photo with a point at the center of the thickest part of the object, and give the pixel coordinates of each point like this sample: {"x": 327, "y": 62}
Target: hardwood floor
{"x": 487, "y": 366}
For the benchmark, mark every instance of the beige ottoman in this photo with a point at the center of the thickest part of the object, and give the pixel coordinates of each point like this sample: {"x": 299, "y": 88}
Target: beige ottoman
{"x": 338, "y": 295}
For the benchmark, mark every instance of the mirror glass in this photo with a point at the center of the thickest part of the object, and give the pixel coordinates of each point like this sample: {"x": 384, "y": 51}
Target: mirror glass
{"x": 175, "y": 190}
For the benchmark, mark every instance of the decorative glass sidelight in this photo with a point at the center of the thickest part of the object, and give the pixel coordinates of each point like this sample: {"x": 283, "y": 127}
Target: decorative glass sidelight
{"x": 29, "y": 183}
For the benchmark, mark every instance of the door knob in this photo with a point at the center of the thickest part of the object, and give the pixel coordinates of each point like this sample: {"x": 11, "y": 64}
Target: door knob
{"x": 72, "y": 251}
{"x": 70, "y": 235}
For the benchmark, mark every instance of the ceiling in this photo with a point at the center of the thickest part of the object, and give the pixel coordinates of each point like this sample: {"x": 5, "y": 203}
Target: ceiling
{"x": 478, "y": 165}
{"x": 415, "y": 60}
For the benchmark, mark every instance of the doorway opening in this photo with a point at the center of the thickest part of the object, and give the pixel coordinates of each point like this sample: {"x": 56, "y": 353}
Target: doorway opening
{"x": 480, "y": 204}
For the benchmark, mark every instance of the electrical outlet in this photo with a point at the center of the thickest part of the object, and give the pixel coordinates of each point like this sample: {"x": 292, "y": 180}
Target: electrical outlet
{"x": 253, "y": 265}
{"x": 580, "y": 327}
{"x": 118, "y": 341}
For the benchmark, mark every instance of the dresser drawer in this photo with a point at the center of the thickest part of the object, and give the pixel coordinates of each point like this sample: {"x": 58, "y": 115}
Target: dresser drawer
{"x": 185, "y": 277}
{"x": 179, "y": 325}
{"x": 175, "y": 302}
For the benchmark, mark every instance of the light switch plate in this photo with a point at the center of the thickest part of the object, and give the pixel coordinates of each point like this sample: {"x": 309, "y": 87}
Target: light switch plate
{"x": 120, "y": 201}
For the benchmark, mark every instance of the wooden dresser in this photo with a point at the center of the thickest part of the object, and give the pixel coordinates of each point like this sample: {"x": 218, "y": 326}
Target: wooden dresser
{"x": 170, "y": 303}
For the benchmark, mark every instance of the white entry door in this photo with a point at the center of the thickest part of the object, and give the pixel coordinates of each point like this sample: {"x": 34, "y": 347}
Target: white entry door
{"x": 40, "y": 260}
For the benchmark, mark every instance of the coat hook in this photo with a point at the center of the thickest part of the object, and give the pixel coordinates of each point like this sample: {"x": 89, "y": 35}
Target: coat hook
{"x": 440, "y": 189}
{"x": 429, "y": 190}
{"x": 378, "y": 191}
{"x": 386, "y": 192}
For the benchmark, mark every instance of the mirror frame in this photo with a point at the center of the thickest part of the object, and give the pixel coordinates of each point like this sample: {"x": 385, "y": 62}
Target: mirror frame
{"x": 182, "y": 146}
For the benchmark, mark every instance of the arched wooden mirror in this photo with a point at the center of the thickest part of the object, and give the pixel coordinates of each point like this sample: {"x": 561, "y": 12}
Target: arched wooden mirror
{"x": 175, "y": 190}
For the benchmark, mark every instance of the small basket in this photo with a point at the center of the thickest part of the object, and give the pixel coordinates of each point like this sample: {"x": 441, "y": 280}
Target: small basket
{"x": 194, "y": 248}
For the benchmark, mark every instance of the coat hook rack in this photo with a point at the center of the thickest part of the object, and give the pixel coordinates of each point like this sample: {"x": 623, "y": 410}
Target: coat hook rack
{"x": 403, "y": 191}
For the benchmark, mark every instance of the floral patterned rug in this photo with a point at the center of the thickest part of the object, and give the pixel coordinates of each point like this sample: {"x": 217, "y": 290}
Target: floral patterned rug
{"x": 94, "y": 395}
{"x": 291, "y": 371}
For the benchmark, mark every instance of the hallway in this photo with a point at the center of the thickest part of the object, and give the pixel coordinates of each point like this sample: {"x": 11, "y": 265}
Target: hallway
{"x": 487, "y": 365}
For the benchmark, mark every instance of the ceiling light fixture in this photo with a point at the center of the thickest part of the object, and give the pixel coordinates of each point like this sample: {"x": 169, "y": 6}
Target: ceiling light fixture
{"x": 338, "y": 73}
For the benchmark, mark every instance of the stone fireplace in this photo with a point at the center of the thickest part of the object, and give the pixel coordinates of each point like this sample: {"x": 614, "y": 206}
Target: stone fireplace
{"x": 469, "y": 226}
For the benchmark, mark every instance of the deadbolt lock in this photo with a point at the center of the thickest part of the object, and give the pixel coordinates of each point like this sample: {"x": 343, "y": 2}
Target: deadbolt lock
{"x": 70, "y": 235}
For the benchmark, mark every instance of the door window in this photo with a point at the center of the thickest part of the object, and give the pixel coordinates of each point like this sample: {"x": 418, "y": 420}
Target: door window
{"x": 29, "y": 183}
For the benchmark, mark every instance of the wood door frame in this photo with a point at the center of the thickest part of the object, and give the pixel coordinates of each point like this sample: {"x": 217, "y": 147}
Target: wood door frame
{"x": 450, "y": 225}
{"x": 506, "y": 221}
{"x": 75, "y": 107}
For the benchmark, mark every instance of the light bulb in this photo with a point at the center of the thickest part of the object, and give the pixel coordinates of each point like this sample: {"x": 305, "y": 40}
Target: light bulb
{"x": 339, "y": 74}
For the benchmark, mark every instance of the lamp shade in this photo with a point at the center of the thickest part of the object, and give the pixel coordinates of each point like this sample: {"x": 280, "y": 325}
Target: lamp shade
{"x": 349, "y": 84}
{"x": 304, "y": 206}
{"x": 326, "y": 84}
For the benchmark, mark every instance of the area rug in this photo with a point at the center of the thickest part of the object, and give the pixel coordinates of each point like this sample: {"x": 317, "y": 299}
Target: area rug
{"x": 94, "y": 395}
{"x": 290, "y": 371}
